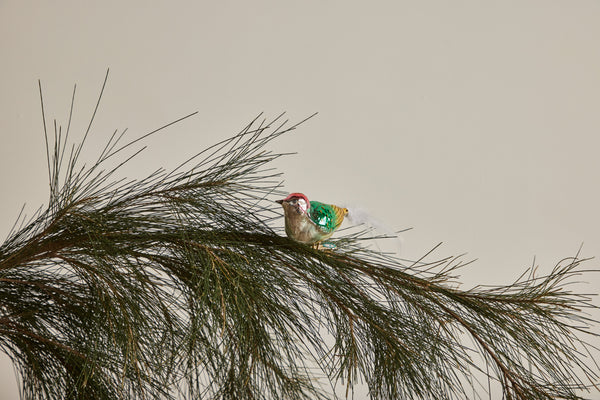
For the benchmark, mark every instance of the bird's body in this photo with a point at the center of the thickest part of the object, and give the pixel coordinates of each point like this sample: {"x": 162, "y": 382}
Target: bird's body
{"x": 310, "y": 222}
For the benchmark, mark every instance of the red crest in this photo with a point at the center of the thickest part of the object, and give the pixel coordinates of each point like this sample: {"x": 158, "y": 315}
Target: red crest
{"x": 298, "y": 196}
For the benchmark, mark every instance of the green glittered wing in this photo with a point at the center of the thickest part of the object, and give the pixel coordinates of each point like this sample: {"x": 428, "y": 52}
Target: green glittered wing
{"x": 326, "y": 216}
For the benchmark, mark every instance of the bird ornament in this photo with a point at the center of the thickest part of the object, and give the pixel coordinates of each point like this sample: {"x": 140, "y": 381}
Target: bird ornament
{"x": 310, "y": 222}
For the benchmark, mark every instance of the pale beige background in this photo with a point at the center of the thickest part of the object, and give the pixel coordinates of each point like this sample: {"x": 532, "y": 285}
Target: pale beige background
{"x": 475, "y": 122}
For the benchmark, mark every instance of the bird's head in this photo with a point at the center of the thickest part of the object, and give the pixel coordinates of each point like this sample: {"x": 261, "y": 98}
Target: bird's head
{"x": 295, "y": 202}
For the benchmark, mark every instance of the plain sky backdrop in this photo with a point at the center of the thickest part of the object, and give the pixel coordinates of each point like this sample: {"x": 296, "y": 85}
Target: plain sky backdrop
{"x": 474, "y": 122}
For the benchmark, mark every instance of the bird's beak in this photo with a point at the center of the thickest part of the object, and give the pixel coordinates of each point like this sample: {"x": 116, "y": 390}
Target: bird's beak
{"x": 279, "y": 201}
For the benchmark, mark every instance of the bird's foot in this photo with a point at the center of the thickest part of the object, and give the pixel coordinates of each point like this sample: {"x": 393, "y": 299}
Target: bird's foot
{"x": 324, "y": 246}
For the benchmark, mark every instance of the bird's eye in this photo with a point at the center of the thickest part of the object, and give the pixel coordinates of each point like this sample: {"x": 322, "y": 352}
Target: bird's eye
{"x": 293, "y": 201}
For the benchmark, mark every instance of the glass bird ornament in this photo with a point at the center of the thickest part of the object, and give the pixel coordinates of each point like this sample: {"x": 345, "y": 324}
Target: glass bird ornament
{"x": 310, "y": 222}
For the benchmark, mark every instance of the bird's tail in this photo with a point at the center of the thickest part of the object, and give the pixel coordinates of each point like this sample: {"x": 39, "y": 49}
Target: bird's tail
{"x": 360, "y": 216}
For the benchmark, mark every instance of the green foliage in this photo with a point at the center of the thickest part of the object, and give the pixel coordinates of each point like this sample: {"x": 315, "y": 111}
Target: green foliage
{"x": 183, "y": 284}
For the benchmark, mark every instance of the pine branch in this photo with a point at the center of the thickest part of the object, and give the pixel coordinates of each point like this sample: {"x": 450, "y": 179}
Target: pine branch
{"x": 183, "y": 283}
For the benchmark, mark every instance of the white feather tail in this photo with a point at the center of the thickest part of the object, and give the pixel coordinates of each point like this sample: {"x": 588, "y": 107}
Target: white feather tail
{"x": 360, "y": 216}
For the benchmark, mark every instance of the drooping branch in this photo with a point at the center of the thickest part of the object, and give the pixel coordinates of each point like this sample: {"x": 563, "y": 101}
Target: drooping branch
{"x": 184, "y": 283}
